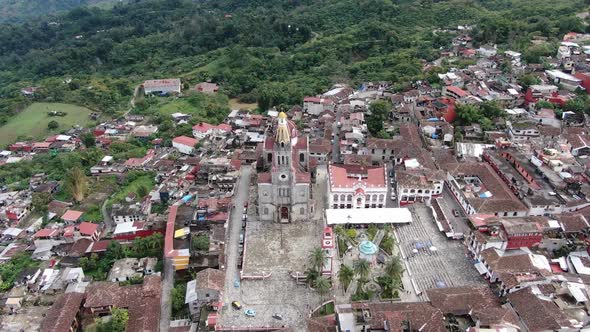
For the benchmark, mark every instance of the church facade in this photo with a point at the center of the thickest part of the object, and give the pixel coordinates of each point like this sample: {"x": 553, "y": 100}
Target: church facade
{"x": 284, "y": 191}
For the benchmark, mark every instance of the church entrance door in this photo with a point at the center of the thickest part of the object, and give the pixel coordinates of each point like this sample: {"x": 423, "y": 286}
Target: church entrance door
{"x": 284, "y": 214}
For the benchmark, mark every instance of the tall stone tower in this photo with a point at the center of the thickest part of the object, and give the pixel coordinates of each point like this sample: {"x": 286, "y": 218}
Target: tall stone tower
{"x": 283, "y": 193}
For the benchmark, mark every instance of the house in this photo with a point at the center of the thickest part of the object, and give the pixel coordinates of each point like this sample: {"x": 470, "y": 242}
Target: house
{"x": 206, "y": 87}
{"x": 64, "y": 314}
{"x": 487, "y": 51}
{"x": 417, "y": 184}
{"x": 454, "y": 92}
{"x": 126, "y": 213}
{"x": 356, "y": 186}
{"x": 141, "y": 301}
{"x": 316, "y": 105}
{"x": 72, "y": 216}
{"x": 90, "y": 230}
{"x": 537, "y": 312}
{"x": 164, "y": 86}
{"x": 144, "y": 132}
{"x": 184, "y": 144}
{"x": 478, "y": 189}
{"x": 204, "y": 129}
{"x": 205, "y": 289}
{"x": 513, "y": 271}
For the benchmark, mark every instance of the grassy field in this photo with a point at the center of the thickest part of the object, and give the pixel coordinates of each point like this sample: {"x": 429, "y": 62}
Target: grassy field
{"x": 32, "y": 122}
{"x": 146, "y": 180}
{"x": 235, "y": 104}
{"x": 211, "y": 108}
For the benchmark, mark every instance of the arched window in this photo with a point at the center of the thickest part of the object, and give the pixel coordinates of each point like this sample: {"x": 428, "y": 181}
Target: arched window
{"x": 349, "y": 198}
{"x": 282, "y": 145}
{"x": 342, "y": 197}
{"x": 335, "y": 198}
{"x": 301, "y": 157}
{"x": 381, "y": 197}
{"x": 265, "y": 210}
{"x": 374, "y": 197}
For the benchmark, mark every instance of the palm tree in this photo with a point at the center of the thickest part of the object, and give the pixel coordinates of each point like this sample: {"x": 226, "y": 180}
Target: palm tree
{"x": 317, "y": 259}
{"x": 345, "y": 276}
{"x": 322, "y": 285}
{"x": 312, "y": 275}
{"x": 394, "y": 267}
{"x": 362, "y": 268}
{"x": 393, "y": 286}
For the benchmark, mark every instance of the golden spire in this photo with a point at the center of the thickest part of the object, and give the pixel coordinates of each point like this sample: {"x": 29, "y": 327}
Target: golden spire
{"x": 282, "y": 135}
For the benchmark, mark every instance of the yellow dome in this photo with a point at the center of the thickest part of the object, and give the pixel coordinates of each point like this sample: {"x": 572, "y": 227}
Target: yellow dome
{"x": 282, "y": 115}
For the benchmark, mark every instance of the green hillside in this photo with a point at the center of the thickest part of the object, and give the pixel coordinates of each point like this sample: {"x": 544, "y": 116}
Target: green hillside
{"x": 271, "y": 52}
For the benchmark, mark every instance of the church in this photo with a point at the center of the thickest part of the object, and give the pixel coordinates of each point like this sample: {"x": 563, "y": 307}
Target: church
{"x": 284, "y": 191}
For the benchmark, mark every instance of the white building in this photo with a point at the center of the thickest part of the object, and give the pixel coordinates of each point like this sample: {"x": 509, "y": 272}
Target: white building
{"x": 417, "y": 184}
{"x": 316, "y": 105}
{"x": 357, "y": 186}
{"x": 171, "y": 85}
{"x": 184, "y": 144}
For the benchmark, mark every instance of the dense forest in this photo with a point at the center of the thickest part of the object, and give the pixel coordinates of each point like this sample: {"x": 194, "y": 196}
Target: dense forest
{"x": 18, "y": 11}
{"x": 270, "y": 51}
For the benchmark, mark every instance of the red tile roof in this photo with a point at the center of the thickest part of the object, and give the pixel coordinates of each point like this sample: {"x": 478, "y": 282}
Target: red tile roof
{"x": 88, "y": 228}
{"x": 347, "y": 176}
{"x": 69, "y": 231}
{"x": 72, "y": 215}
{"x": 46, "y": 232}
{"x": 458, "y": 91}
{"x": 185, "y": 140}
{"x": 62, "y": 313}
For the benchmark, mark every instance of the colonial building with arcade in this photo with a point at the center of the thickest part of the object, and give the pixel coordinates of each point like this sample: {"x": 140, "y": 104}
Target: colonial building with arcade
{"x": 357, "y": 186}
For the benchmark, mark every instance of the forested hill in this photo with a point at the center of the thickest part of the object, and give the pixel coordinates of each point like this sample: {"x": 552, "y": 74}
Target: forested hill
{"x": 271, "y": 50}
{"x": 17, "y": 11}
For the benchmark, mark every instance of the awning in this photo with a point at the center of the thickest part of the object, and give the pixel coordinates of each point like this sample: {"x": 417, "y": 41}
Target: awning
{"x": 481, "y": 268}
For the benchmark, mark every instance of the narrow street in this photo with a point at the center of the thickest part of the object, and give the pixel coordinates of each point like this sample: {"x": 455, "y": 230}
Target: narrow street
{"x": 167, "y": 285}
{"x": 233, "y": 233}
{"x": 336, "y": 139}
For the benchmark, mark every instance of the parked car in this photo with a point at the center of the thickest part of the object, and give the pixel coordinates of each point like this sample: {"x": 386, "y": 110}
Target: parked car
{"x": 391, "y": 174}
{"x": 277, "y": 316}
{"x": 236, "y": 305}
{"x": 393, "y": 197}
{"x": 245, "y": 217}
{"x": 455, "y": 213}
{"x": 246, "y": 204}
{"x": 250, "y": 312}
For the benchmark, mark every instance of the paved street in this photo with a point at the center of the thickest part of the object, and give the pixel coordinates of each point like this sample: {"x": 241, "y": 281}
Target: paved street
{"x": 165, "y": 301}
{"x": 446, "y": 266}
{"x": 336, "y": 133}
{"x": 233, "y": 231}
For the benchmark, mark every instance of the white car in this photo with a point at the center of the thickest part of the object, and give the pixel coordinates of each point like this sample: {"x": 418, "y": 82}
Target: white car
{"x": 393, "y": 197}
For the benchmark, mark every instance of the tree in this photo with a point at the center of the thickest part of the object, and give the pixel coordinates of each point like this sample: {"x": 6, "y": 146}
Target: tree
{"x": 88, "y": 140}
{"x": 576, "y": 105}
{"x": 53, "y": 125}
{"x": 40, "y": 202}
{"x": 322, "y": 285}
{"x": 114, "y": 251}
{"x": 119, "y": 319}
{"x": 345, "y": 275}
{"x": 178, "y": 294}
{"x": 362, "y": 268}
{"x": 528, "y": 80}
{"x": 317, "y": 259}
{"x": 201, "y": 242}
{"x": 379, "y": 111}
{"x": 142, "y": 191}
{"x": 76, "y": 184}
{"x": 394, "y": 267}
